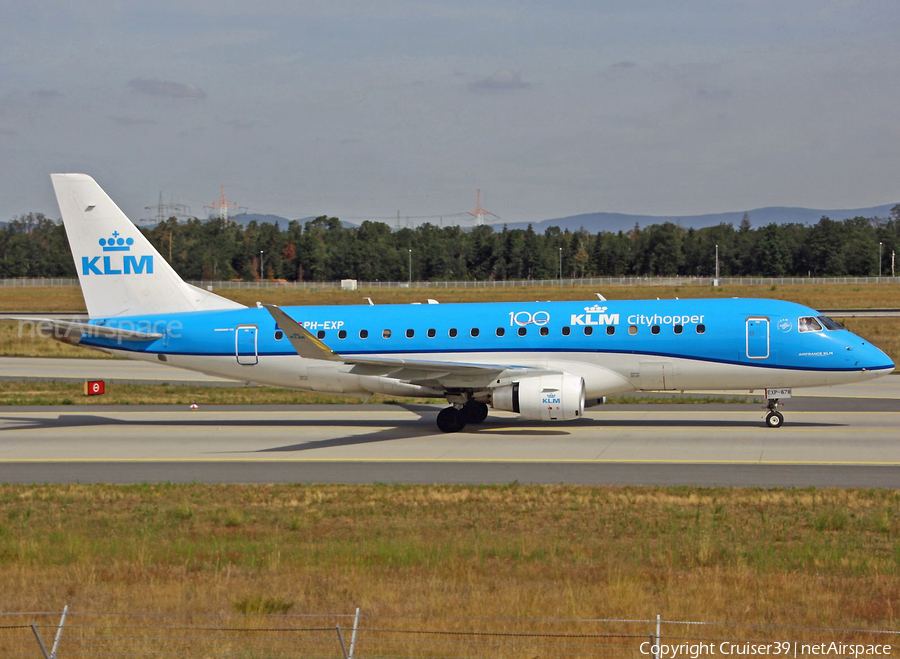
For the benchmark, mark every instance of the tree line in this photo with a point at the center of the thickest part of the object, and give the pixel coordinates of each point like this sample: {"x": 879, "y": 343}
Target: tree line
{"x": 324, "y": 250}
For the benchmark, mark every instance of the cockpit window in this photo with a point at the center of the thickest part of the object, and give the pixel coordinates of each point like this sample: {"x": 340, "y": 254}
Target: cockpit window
{"x": 809, "y": 324}
{"x": 830, "y": 324}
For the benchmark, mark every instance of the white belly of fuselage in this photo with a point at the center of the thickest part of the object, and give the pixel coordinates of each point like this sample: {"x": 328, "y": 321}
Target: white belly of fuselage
{"x": 604, "y": 374}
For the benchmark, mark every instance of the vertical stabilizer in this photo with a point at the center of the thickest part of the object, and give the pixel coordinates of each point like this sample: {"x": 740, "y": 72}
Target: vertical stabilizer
{"x": 121, "y": 273}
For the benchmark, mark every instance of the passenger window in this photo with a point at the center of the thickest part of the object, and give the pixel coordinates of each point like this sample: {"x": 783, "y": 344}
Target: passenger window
{"x": 452, "y": 333}
{"x": 701, "y": 329}
{"x": 386, "y": 334}
{"x": 544, "y": 331}
{"x": 342, "y": 334}
{"x": 523, "y": 331}
{"x": 364, "y": 334}
{"x": 279, "y": 335}
{"x": 410, "y": 333}
{"x": 473, "y": 332}
{"x": 588, "y": 331}
{"x": 678, "y": 329}
{"x": 431, "y": 334}
{"x": 632, "y": 329}
{"x": 654, "y": 329}
{"x": 610, "y": 329}
{"x": 566, "y": 330}
{"x": 809, "y": 324}
{"x": 500, "y": 331}
{"x": 320, "y": 334}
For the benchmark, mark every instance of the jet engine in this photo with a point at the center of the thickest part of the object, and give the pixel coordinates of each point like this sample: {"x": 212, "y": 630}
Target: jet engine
{"x": 553, "y": 397}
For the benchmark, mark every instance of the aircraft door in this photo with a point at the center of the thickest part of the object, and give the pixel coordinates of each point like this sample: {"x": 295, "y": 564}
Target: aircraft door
{"x": 245, "y": 345}
{"x": 757, "y": 337}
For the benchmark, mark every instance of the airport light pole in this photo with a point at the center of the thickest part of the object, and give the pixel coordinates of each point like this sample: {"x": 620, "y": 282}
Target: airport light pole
{"x": 260, "y": 264}
{"x": 560, "y": 265}
{"x": 717, "y": 266}
{"x": 879, "y": 258}
{"x": 410, "y": 266}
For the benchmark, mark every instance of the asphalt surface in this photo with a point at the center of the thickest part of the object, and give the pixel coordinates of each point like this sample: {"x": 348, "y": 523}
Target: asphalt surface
{"x": 842, "y": 436}
{"x": 841, "y": 442}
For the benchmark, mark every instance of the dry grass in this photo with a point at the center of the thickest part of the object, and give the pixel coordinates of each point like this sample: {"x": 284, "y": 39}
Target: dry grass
{"x": 38, "y": 299}
{"x": 807, "y": 557}
{"x": 65, "y": 393}
{"x": 853, "y": 296}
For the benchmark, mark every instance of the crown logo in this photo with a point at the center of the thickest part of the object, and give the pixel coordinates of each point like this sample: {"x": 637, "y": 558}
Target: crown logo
{"x": 595, "y": 309}
{"x": 116, "y": 243}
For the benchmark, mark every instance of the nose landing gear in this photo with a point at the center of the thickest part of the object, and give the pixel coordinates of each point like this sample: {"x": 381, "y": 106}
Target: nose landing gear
{"x": 774, "y": 418}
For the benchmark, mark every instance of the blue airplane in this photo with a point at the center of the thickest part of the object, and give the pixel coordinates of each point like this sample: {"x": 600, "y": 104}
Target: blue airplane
{"x": 542, "y": 360}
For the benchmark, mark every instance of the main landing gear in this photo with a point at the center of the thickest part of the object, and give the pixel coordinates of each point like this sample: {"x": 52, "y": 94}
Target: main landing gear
{"x": 454, "y": 419}
{"x": 774, "y": 418}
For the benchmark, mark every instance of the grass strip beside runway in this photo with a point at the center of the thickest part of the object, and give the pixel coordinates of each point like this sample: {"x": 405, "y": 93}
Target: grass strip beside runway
{"x": 69, "y": 393}
{"x": 745, "y": 555}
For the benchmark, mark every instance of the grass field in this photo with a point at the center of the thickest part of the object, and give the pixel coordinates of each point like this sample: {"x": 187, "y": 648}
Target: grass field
{"x": 65, "y": 393}
{"x": 805, "y": 557}
{"x": 851, "y": 296}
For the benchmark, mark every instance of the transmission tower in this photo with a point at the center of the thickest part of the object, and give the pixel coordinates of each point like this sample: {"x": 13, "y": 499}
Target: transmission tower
{"x": 165, "y": 211}
{"x": 478, "y": 212}
{"x": 223, "y": 205}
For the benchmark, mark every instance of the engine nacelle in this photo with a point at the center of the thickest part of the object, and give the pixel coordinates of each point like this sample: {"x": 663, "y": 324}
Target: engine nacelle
{"x": 554, "y": 397}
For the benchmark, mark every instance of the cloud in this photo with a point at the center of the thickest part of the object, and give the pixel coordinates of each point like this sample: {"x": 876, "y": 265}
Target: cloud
{"x": 714, "y": 94}
{"x": 500, "y": 81}
{"x": 240, "y": 124}
{"x": 166, "y": 88}
{"x": 45, "y": 94}
{"x": 132, "y": 121}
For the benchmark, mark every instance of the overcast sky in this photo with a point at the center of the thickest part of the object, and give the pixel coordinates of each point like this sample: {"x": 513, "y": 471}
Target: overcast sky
{"x": 361, "y": 109}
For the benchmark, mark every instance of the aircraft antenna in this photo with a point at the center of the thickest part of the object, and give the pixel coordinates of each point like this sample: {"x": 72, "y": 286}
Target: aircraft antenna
{"x": 223, "y": 206}
{"x": 478, "y": 212}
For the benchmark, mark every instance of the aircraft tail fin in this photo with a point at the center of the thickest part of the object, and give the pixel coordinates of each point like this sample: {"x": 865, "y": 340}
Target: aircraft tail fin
{"x": 120, "y": 272}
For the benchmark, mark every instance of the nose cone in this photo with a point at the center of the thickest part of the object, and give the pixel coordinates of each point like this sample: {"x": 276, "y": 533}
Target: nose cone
{"x": 871, "y": 359}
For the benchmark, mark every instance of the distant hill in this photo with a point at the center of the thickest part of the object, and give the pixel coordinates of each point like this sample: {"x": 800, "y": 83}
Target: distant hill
{"x": 594, "y": 222}
{"x": 246, "y": 218}
{"x": 614, "y": 222}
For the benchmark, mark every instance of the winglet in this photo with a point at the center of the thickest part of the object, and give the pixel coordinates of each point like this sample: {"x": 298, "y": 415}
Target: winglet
{"x": 304, "y": 342}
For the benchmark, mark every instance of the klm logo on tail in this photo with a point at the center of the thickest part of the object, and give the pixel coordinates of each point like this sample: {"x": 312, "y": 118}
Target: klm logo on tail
{"x": 112, "y": 265}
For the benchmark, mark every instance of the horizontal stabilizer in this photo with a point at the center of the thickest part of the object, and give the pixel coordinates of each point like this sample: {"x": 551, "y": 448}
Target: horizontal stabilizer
{"x": 71, "y": 331}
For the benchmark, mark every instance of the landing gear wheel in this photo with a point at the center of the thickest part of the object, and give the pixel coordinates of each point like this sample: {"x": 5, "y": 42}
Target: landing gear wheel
{"x": 474, "y": 412}
{"x": 774, "y": 419}
{"x": 450, "y": 419}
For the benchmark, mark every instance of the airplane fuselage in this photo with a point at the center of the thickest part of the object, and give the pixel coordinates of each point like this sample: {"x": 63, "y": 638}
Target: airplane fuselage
{"x": 615, "y": 346}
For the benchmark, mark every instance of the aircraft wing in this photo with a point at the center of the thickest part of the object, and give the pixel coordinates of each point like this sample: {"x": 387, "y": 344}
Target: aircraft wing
{"x": 429, "y": 373}
{"x": 71, "y": 331}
